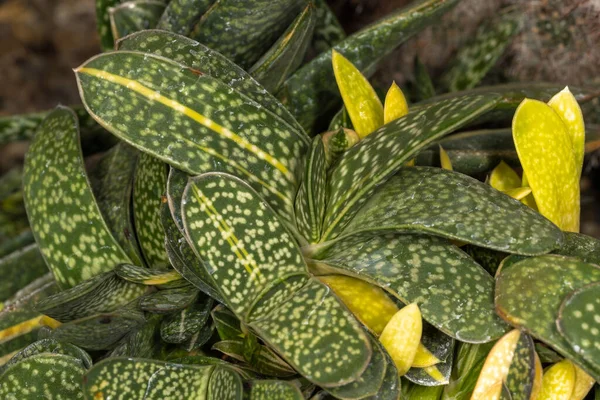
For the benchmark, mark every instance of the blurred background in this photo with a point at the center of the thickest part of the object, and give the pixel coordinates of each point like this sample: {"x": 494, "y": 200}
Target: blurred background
{"x": 42, "y": 40}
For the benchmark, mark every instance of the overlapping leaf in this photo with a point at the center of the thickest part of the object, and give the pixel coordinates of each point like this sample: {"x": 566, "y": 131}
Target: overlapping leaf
{"x": 181, "y": 326}
{"x": 162, "y": 278}
{"x": 64, "y": 216}
{"x": 274, "y": 390}
{"x": 183, "y": 117}
{"x": 169, "y": 300}
{"x": 180, "y": 16}
{"x": 328, "y": 30}
{"x": 133, "y": 16}
{"x": 54, "y": 347}
{"x": 424, "y": 270}
{"x": 353, "y": 179}
{"x": 14, "y": 276}
{"x": 584, "y": 247}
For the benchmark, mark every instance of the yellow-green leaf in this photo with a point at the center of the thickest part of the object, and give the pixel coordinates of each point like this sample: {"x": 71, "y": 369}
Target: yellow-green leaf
{"x": 445, "y": 161}
{"x": 361, "y": 101}
{"x": 558, "y": 382}
{"x": 424, "y": 358}
{"x": 368, "y": 302}
{"x": 567, "y": 108}
{"x": 519, "y": 193}
{"x": 545, "y": 151}
{"x": 583, "y": 384}
{"x": 528, "y": 200}
{"x": 402, "y": 335}
{"x": 503, "y": 177}
{"x": 395, "y": 104}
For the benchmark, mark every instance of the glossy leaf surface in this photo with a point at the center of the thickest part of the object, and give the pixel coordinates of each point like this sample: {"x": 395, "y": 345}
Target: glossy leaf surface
{"x": 274, "y": 390}
{"x": 180, "y": 16}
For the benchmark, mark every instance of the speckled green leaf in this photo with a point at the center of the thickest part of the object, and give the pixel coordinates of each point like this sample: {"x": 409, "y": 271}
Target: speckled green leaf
{"x": 423, "y": 86}
{"x": 226, "y": 323}
{"x": 225, "y": 383}
{"x": 99, "y": 332}
{"x": 43, "y": 376}
{"x": 103, "y": 293}
{"x": 186, "y": 121}
{"x": 176, "y": 183}
{"x": 311, "y": 91}
{"x": 287, "y": 53}
{"x": 369, "y": 383}
{"x": 310, "y": 201}
{"x": 140, "y": 342}
{"x": 412, "y": 275}
{"x": 244, "y": 31}
{"x": 584, "y": 247}
{"x": 103, "y": 23}
{"x": 19, "y": 127}
{"x": 529, "y": 293}
{"x": 133, "y": 16}
{"x": 149, "y": 186}
{"x": 180, "y": 16}
{"x": 64, "y": 216}
{"x": 112, "y": 183}
{"x": 521, "y": 373}
{"x": 169, "y": 300}
{"x": 262, "y": 360}
{"x": 456, "y": 206}
{"x": 274, "y": 390}
{"x": 338, "y": 140}
{"x": 201, "y": 58}
{"x": 54, "y": 347}
{"x": 199, "y": 339}
{"x": 161, "y": 278}
{"x": 579, "y": 322}
{"x": 328, "y": 30}
{"x": 181, "y": 326}
{"x": 150, "y": 379}
{"x": 352, "y": 181}
{"x": 480, "y": 54}
{"x": 392, "y": 385}
{"x": 19, "y": 268}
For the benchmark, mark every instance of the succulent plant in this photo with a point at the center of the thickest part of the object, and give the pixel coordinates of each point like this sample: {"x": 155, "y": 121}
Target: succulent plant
{"x": 224, "y": 246}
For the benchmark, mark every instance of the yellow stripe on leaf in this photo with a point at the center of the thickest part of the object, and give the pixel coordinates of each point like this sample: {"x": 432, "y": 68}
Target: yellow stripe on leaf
{"x": 27, "y": 326}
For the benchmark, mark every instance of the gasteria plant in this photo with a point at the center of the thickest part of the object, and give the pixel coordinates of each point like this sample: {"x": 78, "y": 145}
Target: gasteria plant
{"x": 316, "y": 265}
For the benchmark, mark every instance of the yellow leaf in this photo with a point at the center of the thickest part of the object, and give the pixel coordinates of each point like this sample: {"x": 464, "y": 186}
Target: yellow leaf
{"x": 402, "y": 335}
{"x": 424, "y": 358}
{"x": 528, "y": 200}
{"x": 545, "y": 151}
{"x": 537, "y": 380}
{"x": 503, "y": 177}
{"x": 445, "y": 159}
{"x": 567, "y": 108}
{"x": 496, "y": 366}
{"x": 583, "y": 384}
{"x": 410, "y": 163}
{"x": 395, "y": 104}
{"x": 558, "y": 382}
{"x": 518, "y": 193}
{"x": 368, "y": 303}
{"x": 361, "y": 101}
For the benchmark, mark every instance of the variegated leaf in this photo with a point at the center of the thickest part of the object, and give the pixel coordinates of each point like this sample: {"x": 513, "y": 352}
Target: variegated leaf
{"x": 529, "y": 293}
{"x": 150, "y": 185}
{"x": 584, "y": 247}
{"x": 353, "y": 180}
{"x": 169, "y": 300}
{"x": 310, "y": 200}
{"x": 328, "y": 30}
{"x": 64, "y": 216}
{"x": 183, "y": 117}
{"x": 260, "y": 359}
{"x": 395, "y": 105}
{"x": 227, "y": 324}
{"x": 435, "y": 375}
{"x": 402, "y": 335}
{"x": 244, "y": 31}
{"x": 311, "y": 93}
{"x": 107, "y": 41}
{"x": 287, "y": 53}
{"x": 182, "y": 326}
{"x": 456, "y": 206}
{"x": 161, "y": 278}
{"x": 133, "y": 16}
{"x": 201, "y": 58}
{"x": 140, "y": 342}
{"x": 180, "y": 16}
{"x": 418, "y": 264}
{"x": 558, "y": 382}
{"x": 579, "y": 322}
{"x": 274, "y": 390}
{"x": 53, "y": 347}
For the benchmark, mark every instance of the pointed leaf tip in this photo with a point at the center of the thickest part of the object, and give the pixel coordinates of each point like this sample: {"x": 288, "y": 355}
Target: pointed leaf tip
{"x": 395, "y": 105}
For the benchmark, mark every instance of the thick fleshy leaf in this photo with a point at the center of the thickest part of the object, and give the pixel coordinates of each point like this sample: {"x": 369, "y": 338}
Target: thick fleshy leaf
{"x": 112, "y": 183}
{"x": 181, "y": 326}
{"x": 244, "y": 31}
{"x": 435, "y": 375}
{"x": 274, "y": 390}
{"x": 140, "y": 342}
{"x": 201, "y": 58}
{"x": 456, "y": 206}
{"x": 311, "y": 92}
{"x": 47, "y": 376}
{"x": 65, "y": 219}
{"x": 558, "y": 382}
{"x": 353, "y": 179}
{"x": 480, "y": 54}
{"x": 546, "y": 153}
{"x": 337, "y": 141}
{"x": 360, "y": 100}
{"x": 54, "y": 347}
{"x": 579, "y": 322}
{"x": 529, "y": 293}
{"x": 584, "y": 247}
{"x": 180, "y": 16}
{"x": 164, "y": 279}
{"x": 436, "y": 347}
{"x": 227, "y": 324}
{"x": 445, "y": 161}
{"x": 133, "y": 16}
{"x": 20, "y": 268}
{"x": 414, "y": 275}
{"x": 395, "y": 105}
{"x": 567, "y": 108}
{"x": 503, "y": 177}
{"x": 101, "y": 294}
{"x": 262, "y": 359}
{"x": 150, "y": 184}
{"x": 392, "y": 385}
{"x": 369, "y": 303}
{"x": 107, "y": 41}
{"x": 468, "y": 363}
{"x": 583, "y": 384}
{"x": 169, "y": 300}
{"x": 423, "y": 86}
{"x": 402, "y": 335}
{"x": 310, "y": 200}
{"x": 154, "y": 380}
{"x": 328, "y": 30}
{"x": 287, "y": 53}
{"x": 178, "y": 100}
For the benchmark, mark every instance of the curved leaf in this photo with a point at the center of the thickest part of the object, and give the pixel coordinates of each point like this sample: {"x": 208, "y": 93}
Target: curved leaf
{"x": 107, "y": 41}
{"x": 558, "y": 382}
{"x": 133, "y": 16}
{"x": 402, "y": 335}
{"x": 328, "y": 30}
{"x": 55, "y": 347}
{"x": 181, "y": 326}
{"x": 567, "y": 108}
{"x": 395, "y": 105}
{"x": 63, "y": 213}
{"x": 449, "y": 204}
{"x": 274, "y": 390}
{"x": 169, "y": 300}
{"x": 180, "y": 16}
{"x": 584, "y": 247}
